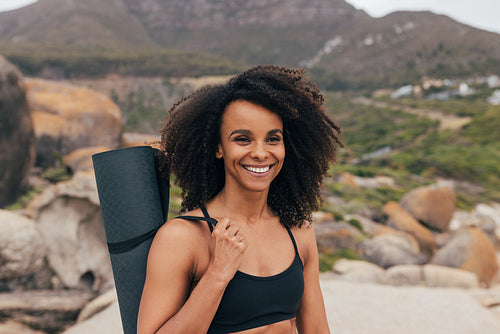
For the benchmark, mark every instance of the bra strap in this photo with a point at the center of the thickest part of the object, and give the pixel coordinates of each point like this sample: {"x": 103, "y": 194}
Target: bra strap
{"x": 293, "y": 239}
{"x": 210, "y": 221}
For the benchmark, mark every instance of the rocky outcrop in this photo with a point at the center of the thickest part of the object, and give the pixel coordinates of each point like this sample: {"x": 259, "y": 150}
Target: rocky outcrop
{"x": 70, "y": 222}
{"x": 140, "y": 139}
{"x": 105, "y": 322}
{"x": 97, "y": 305}
{"x": 331, "y": 236}
{"x": 16, "y": 134}
{"x": 54, "y": 310}
{"x": 401, "y": 220}
{"x": 433, "y": 205}
{"x": 22, "y": 249}
{"x": 392, "y": 249}
{"x": 81, "y": 159}
{"x": 472, "y": 250}
{"x": 67, "y": 117}
{"x": 13, "y": 327}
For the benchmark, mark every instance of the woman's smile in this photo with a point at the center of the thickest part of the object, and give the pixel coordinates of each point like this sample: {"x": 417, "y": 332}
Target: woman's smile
{"x": 261, "y": 170}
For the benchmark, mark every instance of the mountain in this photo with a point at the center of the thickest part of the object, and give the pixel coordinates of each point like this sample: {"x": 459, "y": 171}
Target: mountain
{"x": 343, "y": 47}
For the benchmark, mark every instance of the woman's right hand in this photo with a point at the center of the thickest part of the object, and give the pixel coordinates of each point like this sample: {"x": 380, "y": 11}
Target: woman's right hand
{"x": 227, "y": 249}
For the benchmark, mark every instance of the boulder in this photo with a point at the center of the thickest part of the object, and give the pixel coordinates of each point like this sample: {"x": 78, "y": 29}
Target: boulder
{"x": 392, "y": 249}
{"x": 17, "y": 138}
{"x": 67, "y": 117}
{"x": 140, "y": 139}
{"x": 359, "y": 271}
{"x": 70, "y": 222}
{"x": 369, "y": 226}
{"x": 409, "y": 274}
{"x": 22, "y": 249}
{"x": 107, "y": 321}
{"x": 431, "y": 275}
{"x": 81, "y": 159}
{"x": 472, "y": 250}
{"x": 475, "y": 218}
{"x": 336, "y": 235}
{"x": 441, "y": 276}
{"x": 13, "y": 327}
{"x": 50, "y": 311}
{"x": 433, "y": 205}
{"x": 97, "y": 305}
{"x": 401, "y": 220}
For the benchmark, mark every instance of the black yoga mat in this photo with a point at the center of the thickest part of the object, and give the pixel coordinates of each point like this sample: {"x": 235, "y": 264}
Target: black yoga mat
{"x": 134, "y": 204}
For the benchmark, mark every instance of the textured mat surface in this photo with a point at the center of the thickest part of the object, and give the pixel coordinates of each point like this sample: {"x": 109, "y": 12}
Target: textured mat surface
{"x": 134, "y": 201}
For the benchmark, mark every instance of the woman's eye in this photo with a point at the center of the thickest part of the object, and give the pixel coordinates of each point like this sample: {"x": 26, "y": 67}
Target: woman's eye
{"x": 242, "y": 140}
{"x": 274, "y": 139}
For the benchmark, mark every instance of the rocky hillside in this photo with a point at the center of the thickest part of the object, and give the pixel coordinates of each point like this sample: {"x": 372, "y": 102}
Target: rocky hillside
{"x": 344, "y": 47}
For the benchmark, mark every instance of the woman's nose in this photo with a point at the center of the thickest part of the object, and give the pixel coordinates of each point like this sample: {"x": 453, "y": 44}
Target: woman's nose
{"x": 260, "y": 151}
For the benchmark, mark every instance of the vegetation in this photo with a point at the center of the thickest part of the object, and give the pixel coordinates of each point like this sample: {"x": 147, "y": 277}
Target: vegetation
{"x": 69, "y": 63}
{"x": 419, "y": 147}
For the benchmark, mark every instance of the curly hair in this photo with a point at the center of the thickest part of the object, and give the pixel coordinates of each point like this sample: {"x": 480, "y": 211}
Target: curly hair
{"x": 191, "y": 135}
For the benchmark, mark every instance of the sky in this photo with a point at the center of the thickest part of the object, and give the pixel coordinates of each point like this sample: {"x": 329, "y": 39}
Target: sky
{"x": 483, "y": 14}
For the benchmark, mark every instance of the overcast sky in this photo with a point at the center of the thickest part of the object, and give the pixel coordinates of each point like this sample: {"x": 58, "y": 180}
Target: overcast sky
{"x": 484, "y": 14}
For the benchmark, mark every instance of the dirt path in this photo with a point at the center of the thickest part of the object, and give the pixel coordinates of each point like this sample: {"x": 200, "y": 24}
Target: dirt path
{"x": 446, "y": 121}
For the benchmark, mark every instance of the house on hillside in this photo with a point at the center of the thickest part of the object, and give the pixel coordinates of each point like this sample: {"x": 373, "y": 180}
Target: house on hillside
{"x": 494, "y": 99}
{"x": 402, "y": 92}
{"x": 493, "y": 81}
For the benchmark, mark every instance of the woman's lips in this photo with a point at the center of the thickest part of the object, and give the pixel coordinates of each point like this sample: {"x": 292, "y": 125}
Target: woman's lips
{"x": 258, "y": 170}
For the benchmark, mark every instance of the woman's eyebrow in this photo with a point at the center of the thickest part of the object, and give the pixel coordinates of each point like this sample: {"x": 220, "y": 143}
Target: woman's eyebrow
{"x": 240, "y": 131}
{"x": 248, "y": 132}
{"x": 272, "y": 132}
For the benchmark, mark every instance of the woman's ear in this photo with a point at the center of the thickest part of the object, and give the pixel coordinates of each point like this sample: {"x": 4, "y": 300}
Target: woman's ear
{"x": 218, "y": 154}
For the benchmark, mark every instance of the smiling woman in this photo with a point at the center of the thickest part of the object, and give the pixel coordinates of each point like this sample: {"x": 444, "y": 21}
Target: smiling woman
{"x": 249, "y": 156}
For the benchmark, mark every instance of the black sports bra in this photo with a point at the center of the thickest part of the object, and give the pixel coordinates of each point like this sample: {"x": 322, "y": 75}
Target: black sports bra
{"x": 252, "y": 301}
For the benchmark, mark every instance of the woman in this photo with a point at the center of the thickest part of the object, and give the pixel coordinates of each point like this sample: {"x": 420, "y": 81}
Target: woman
{"x": 249, "y": 156}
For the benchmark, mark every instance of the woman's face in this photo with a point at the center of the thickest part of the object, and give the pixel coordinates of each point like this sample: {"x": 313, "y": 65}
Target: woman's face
{"x": 251, "y": 145}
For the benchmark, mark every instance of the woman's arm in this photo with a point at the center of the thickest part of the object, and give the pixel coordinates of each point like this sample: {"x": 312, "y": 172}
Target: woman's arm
{"x": 311, "y": 316}
{"x": 166, "y": 305}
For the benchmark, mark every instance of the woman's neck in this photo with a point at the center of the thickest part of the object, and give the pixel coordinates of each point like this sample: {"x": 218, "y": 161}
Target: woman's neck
{"x": 251, "y": 207}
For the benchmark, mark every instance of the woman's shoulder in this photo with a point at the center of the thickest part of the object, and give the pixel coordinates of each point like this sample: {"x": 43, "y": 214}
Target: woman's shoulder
{"x": 181, "y": 230}
{"x": 305, "y": 239}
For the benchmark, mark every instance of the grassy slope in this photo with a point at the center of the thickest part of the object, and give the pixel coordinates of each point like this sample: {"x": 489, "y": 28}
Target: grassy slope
{"x": 421, "y": 152}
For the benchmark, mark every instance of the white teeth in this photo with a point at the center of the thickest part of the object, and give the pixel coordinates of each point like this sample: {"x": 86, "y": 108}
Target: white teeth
{"x": 257, "y": 170}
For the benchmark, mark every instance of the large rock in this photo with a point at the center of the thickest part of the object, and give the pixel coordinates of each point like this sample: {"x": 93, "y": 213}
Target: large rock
{"x": 16, "y": 134}
{"x": 401, "y": 220}
{"x": 70, "y": 221}
{"x": 105, "y": 322}
{"x": 22, "y": 249}
{"x": 472, "y": 250}
{"x": 13, "y": 327}
{"x": 50, "y": 311}
{"x": 432, "y": 205}
{"x": 67, "y": 117}
{"x": 140, "y": 139}
{"x": 359, "y": 271}
{"x": 97, "y": 305}
{"x": 431, "y": 275}
{"x": 392, "y": 249}
{"x": 81, "y": 159}
{"x": 369, "y": 226}
{"x": 332, "y": 235}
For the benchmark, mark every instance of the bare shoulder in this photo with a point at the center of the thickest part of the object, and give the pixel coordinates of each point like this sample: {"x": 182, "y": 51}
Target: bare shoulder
{"x": 306, "y": 240}
{"x": 179, "y": 234}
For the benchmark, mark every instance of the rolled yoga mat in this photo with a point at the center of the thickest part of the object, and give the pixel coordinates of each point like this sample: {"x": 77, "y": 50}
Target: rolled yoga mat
{"x": 134, "y": 204}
